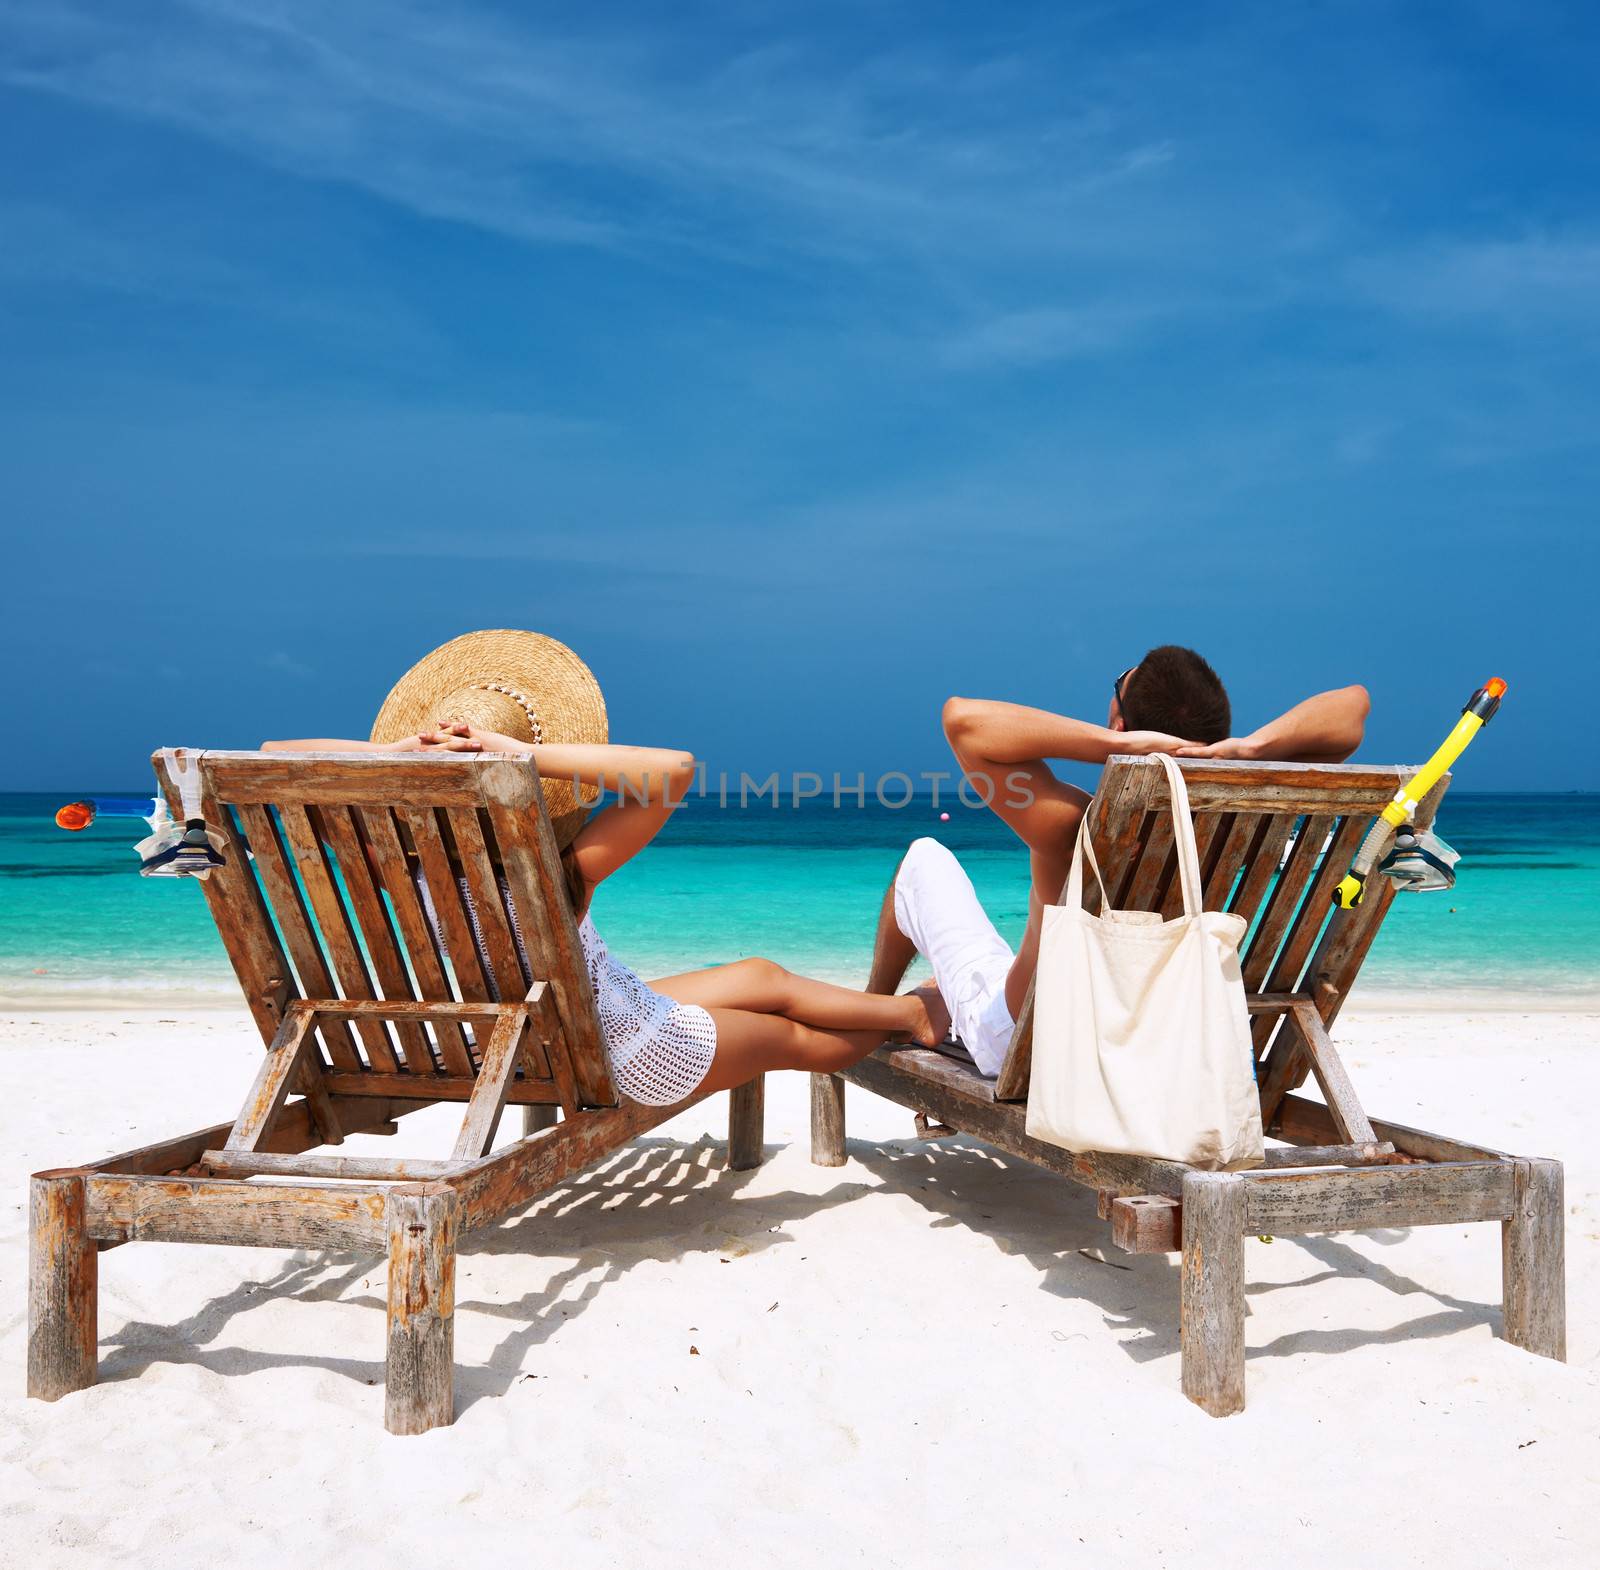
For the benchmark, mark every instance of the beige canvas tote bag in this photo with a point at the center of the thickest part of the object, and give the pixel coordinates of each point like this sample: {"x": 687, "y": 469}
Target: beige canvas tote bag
{"x": 1141, "y": 1041}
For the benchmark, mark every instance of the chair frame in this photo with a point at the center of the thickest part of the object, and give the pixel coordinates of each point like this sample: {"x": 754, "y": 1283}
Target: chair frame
{"x": 341, "y": 1059}
{"x": 313, "y": 951}
{"x": 1334, "y": 1168}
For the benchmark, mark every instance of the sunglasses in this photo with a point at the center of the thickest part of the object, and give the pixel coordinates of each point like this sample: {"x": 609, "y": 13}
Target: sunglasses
{"x": 1120, "y": 683}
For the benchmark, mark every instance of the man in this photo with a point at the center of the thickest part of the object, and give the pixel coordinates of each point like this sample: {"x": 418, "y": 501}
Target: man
{"x": 1171, "y": 701}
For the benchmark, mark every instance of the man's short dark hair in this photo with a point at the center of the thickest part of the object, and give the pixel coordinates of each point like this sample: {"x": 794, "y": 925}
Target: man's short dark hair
{"x": 1176, "y": 691}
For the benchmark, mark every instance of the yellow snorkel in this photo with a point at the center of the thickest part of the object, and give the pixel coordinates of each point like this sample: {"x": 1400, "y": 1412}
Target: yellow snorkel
{"x": 1479, "y": 711}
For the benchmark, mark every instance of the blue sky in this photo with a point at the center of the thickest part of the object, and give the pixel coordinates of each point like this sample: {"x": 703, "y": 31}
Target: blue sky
{"x": 798, "y": 365}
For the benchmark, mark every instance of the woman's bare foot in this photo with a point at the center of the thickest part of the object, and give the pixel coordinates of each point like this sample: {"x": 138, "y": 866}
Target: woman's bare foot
{"x": 929, "y": 1019}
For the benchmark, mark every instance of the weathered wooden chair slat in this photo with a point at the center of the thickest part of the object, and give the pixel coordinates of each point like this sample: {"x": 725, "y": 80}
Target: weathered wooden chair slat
{"x": 1219, "y": 829}
{"x": 344, "y": 779}
{"x": 328, "y": 865}
{"x": 372, "y": 920}
{"x": 1144, "y": 890}
{"x": 1211, "y": 828}
{"x": 1290, "y": 964}
{"x": 1327, "y": 980}
{"x": 1283, "y": 903}
{"x": 1128, "y": 844}
{"x": 530, "y": 848}
{"x": 472, "y": 854}
{"x": 422, "y": 825}
{"x": 283, "y": 893}
{"x": 1336, "y": 1169}
{"x": 423, "y": 1088}
{"x": 1266, "y": 851}
{"x": 382, "y": 839}
{"x": 1230, "y": 859}
{"x": 1119, "y": 830}
{"x": 234, "y": 900}
{"x": 338, "y": 932}
{"x": 376, "y": 927}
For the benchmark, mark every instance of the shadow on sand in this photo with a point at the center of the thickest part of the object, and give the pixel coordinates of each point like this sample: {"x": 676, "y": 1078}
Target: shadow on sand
{"x": 1055, "y": 1225}
{"x": 665, "y": 1199}
{"x": 657, "y": 1200}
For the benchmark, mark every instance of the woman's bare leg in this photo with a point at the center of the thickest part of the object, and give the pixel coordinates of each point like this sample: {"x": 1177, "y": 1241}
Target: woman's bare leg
{"x": 759, "y": 986}
{"x": 892, "y": 950}
{"x": 751, "y": 1043}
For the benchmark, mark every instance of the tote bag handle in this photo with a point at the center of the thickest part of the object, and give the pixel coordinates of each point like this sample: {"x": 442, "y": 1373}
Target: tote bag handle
{"x": 1182, "y": 837}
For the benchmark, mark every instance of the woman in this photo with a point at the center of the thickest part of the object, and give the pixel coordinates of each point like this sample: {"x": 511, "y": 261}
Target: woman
{"x": 704, "y": 1030}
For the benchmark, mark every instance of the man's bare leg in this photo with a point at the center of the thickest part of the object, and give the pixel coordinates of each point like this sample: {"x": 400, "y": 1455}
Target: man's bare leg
{"x": 892, "y": 950}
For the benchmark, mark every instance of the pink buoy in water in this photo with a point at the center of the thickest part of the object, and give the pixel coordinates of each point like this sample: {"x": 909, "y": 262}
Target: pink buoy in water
{"x": 944, "y": 817}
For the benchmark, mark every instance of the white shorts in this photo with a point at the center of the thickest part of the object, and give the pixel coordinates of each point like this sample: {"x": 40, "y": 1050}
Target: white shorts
{"x": 936, "y": 906}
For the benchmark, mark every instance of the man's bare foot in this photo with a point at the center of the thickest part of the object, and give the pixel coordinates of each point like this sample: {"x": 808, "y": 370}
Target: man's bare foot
{"x": 929, "y": 1018}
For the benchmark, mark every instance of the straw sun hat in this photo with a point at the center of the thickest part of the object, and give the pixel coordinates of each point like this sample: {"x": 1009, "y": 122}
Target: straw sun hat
{"x": 521, "y": 684}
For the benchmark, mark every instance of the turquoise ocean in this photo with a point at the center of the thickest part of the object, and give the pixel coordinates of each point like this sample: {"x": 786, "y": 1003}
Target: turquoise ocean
{"x": 79, "y": 927}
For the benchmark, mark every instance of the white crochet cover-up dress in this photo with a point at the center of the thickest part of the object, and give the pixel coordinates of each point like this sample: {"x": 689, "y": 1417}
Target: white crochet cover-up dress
{"x": 660, "y": 1049}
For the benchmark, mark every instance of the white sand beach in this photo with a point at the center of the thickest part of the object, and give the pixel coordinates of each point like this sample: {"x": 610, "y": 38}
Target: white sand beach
{"x": 927, "y": 1355}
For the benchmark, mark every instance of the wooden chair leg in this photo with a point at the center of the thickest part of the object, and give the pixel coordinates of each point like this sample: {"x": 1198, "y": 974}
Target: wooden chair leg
{"x": 538, "y": 1115}
{"x": 1533, "y": 1260}
{"x": 1212, "y": 1322}
{"x": 419, "y": 1383}
{"x": 747, "y": 1106}
{"x": 827, "y": 1120}
{"x": 63, "y": 1288}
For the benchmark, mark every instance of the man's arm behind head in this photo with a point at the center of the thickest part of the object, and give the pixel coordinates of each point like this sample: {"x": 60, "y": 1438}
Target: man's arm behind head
{"x": 1326, "y": 728}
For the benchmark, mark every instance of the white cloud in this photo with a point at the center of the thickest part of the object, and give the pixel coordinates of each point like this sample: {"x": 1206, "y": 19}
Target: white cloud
{"x": 1050, "y": 333}
{"x": 282, "y": 663}
{"x": 559, "y": 138}
{"x": 1540, "y": 279}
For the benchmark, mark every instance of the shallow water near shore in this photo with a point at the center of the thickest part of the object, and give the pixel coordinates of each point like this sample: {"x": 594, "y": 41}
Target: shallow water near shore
{"x": 803, "y": 885}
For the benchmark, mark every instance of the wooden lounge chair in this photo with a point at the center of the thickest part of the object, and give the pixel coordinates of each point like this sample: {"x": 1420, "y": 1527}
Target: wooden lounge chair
{"x": 366, "y": 1019}
{"x": 1335, "y": 1170}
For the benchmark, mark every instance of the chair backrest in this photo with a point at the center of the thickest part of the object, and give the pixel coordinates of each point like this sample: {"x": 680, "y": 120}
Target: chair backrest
{"x": 1245, "y": 817}
{"x": 318, "y": 900}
